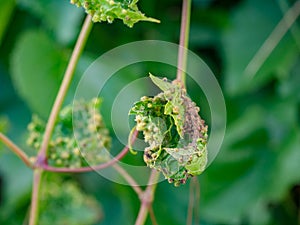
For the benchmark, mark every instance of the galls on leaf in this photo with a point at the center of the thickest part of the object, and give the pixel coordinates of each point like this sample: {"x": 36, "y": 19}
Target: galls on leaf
{"x": 108, "y": 10}
{"x": 176, "y": 134}
{"x": 85, "y": 144}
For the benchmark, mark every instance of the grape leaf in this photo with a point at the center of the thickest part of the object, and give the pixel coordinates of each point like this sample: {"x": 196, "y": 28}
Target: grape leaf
{"x": 37, "y": 69}
{"x": 108, "y": 10}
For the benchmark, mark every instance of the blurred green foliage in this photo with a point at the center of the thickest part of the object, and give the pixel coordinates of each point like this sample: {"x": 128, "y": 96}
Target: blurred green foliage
{"x": 254, "y": 179}
{"x": 67, "y": 205}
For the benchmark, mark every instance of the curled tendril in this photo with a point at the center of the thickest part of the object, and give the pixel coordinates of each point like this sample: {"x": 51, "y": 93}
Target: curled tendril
{"x": 84, "y": 146}
{"x": 176, "y": 134}
{"x": 108, "y": 10}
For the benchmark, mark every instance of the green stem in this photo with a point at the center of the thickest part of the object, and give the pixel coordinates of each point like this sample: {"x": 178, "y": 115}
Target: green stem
{"x": 147, "y": 198}
{"x": 81, "y": 41}
{"x": 152, "y": 216}
{"x": 189, "y": 219}
{"x": 183, "y": 42}
{"x": 34, "y": 209}
{"x": 18, "y": 151}
{"x": 41, "y": 158}
{"x": 197, "y": 199}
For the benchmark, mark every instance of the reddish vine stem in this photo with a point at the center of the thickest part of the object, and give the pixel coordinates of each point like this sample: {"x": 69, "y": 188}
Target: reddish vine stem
{"x": 15, "y": 149}
{"x": 41, "y": 158}
{"x": 81, "y": 41}
{"x": 184, "y": 40}
{"x": 197, "y": 200}
{"x": 87, "y": 168}
{"x": 147, "y": 198}
{"x": 34, "y": 208}
{"x": 189, "y": 219}
{"x": 152, "y": 216}
{"x": 92, "y": 168}
{"x": 129, "y": 179}
{"x": 194, "y": 200}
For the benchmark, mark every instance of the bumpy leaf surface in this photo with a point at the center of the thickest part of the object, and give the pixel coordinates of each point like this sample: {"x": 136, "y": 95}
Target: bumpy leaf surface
{"x": 176, "y": 134}
{"x": 108, "y": 10}
{"x": 85, "y": 145}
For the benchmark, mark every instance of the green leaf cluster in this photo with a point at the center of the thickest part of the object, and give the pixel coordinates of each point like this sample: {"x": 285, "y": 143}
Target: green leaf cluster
{"x": 108, "y": 10}
{"x": 79, "y": 139}
{"x": 176, "y": 134}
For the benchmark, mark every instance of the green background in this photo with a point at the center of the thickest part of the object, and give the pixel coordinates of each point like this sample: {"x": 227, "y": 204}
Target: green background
{"x": 255, "y": 179}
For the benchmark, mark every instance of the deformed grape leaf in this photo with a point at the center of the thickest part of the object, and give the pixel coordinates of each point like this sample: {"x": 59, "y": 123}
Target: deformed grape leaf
{"x": 176, "y": 134}
{"x": 37, "y": 68}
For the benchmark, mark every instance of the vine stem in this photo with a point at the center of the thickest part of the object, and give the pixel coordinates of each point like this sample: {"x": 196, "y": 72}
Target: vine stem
{"x": 15, "y": 149}
{"x": 152, "y": 216}
{"x": 184, "y": 41}
{"x": 148, "y": 194}
{"x": 81, "y": 41}
{"x": 112, "y": 163}
{"x": 194, "y": 200}
{"x": 87, "y": 168}
{"x": 189, "y": 220}
{"x": 41, "y": 158}
{"x": 147, "y": 198}
{"x": 125, "y": 150}
{"x": 129, "y": 179}
{"x": 197, "y": 200}
{"x": 34, "y": 208}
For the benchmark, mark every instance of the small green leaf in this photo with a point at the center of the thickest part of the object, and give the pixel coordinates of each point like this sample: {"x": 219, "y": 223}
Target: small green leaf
{"x": 163, "y": 84}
